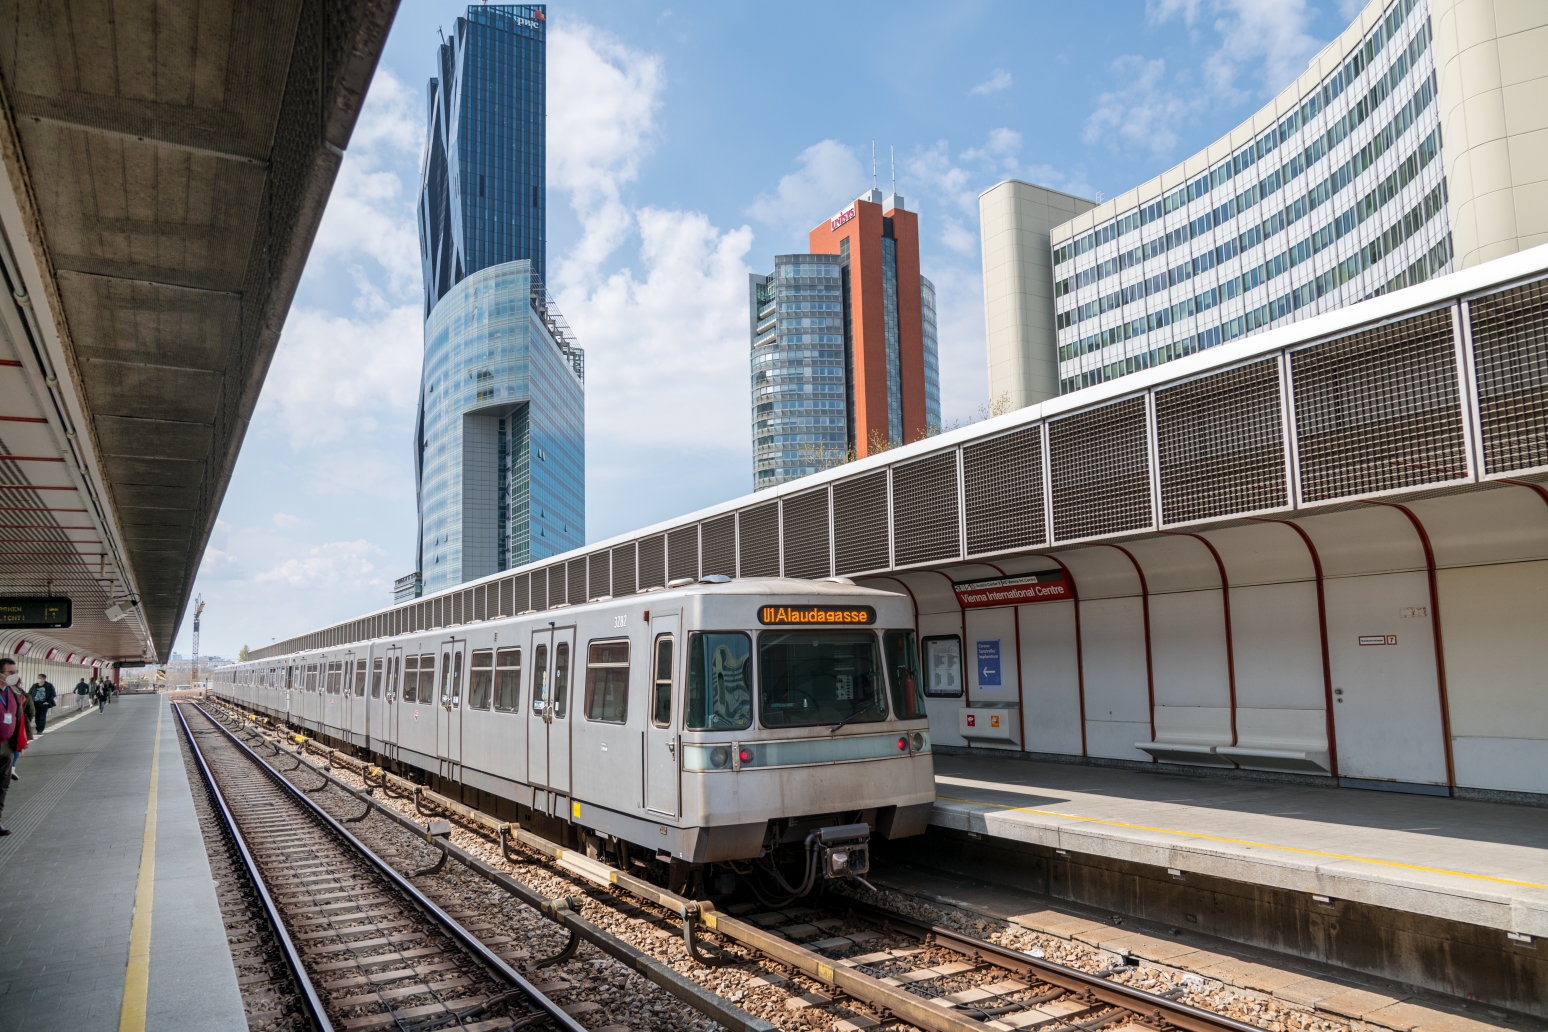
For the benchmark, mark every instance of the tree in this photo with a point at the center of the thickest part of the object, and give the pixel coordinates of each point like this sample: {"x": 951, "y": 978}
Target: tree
{"x": 242, "y": 655}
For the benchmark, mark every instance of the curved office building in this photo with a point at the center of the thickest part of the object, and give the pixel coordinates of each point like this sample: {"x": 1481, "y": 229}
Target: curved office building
{"x": 500, "y": 444}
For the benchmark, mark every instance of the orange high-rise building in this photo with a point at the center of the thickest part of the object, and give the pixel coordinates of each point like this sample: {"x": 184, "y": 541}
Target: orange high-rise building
{"x": 844, "y": 355}
{"x": 878, "y": 247}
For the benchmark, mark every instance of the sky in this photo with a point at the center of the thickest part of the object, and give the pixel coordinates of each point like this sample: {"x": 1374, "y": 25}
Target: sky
{"x": 687, "y": 145}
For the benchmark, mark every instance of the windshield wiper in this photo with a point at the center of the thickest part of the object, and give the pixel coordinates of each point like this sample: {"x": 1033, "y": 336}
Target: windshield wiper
{"x": 834, "y": 729}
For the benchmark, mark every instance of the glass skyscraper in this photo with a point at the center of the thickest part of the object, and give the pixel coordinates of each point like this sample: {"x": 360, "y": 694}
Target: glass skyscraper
{"x": 499, "y": 447}
{"x": 481, "y": 191}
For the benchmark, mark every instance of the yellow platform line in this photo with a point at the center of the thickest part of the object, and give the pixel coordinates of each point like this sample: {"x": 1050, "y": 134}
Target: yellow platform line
{"x": 131, "y": 1016}
{"x": 1245, "y": 842}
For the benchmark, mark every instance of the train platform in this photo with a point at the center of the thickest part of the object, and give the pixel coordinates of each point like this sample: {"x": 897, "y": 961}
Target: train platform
{"x": 1428, "y": 891}
{"x": 109, "y": 918}
{"x": 1461, "y": 860}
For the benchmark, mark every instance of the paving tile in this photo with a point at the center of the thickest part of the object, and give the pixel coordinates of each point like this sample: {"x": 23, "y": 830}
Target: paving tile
{"x": 1357, "y": 1003}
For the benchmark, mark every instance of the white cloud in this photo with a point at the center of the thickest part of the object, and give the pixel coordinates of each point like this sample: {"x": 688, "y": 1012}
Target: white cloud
{"x": 371, "y": 210}
{"x": 339, "y": 378}
{"x": 829, "y": 177}
{"x": 1143, "y": 112}
{"x": 338, "y": 566}
{"x": 1264, "y": 45}
{"x": 285, "y": 521}
{"x": 602, "y": 100}
{"x": 1000, "y": 80}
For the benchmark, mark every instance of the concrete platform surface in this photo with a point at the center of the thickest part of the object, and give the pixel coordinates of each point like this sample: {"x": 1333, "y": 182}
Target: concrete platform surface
{"x": 1480, "y": 863}
{"x": 71, "y": 870}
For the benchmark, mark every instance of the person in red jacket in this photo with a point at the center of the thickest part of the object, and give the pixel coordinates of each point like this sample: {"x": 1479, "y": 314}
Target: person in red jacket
{"x": 13, "y": 725}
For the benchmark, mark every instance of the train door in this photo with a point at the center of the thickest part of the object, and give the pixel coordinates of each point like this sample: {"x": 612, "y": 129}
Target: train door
{"x": 347, "y": 707}
{"x": 356, "y": 690}
{"x": 290, "y": 676}
{"x": 449, "y": 728}
{"x": 548, "y": 725}
{"x": 661, "y": 781}
{"x": 386, "y": 728}
{"x": 419, "y": 707}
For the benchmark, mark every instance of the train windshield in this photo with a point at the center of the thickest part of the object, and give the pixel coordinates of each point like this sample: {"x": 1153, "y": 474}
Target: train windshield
{"x": 719, "y": 690}
{"x": 820, "y": 677}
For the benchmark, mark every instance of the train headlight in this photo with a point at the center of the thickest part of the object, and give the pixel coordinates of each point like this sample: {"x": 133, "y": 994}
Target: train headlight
{"x": 919, "y": 741}
{"x": 720, "y": 757}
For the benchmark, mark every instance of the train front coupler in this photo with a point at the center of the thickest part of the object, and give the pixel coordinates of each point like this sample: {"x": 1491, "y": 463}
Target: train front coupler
{"x": 844, "y": 852}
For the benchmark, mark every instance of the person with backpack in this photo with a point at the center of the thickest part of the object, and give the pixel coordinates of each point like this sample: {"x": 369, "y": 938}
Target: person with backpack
{"x": 82, "y": 690}
{"x": 102, "y": 696}
{"x": 43, "y": 698}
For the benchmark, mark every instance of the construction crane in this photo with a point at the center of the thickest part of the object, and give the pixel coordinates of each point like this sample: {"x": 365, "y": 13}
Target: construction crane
{"x": 193, "y": 670}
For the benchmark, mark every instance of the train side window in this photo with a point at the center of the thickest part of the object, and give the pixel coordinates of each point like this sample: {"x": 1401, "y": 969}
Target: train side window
{"x": 410, "y": 679}
{"x": 719, "y": 696}
{"x": 311, "y": 677}
{"x": 360, "y": 672}
{"x": 607, "y": 681}
{"x": 903, "y": 669}
{"x": 427, "y": 679}
{"x": 507, "y": 679}
{"x": 376, "y": 678}
{"x": 561, "y": 678}
{"x": 335, "y": 677}
{"x": 480, "y": 679}
{"x": 661, "y": 687}
{"x": 539, "y": 678}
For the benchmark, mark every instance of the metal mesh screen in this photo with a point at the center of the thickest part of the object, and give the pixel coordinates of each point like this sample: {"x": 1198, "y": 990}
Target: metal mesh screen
{"x": 507, "y": 586}
{"x": 806, "y": 535}
{"x": 717, "y": 540}
{"x": 575, "y": 581}
{"x": 599, "y": 580}
{"x": 683, "y": 552}
{"x": 1101, "y": 471}
{"x": 438, "y": 619}
{"x": 925, "y": 516}
{"x": 1510, "y": 359}
{"x": 481, "y": 602}
{"x": 653, "y": 562}
{"x": 540, "y": 589}
{"x": 860, "y": 524}
{"x": 623, "y": 570}
{"x": 521, "y": 594}
{"x": 759, "y": 541}
{"x": 1222, "y": 444}
{"x": 1378, "y": 410}
{"x": 1002, "y": 485}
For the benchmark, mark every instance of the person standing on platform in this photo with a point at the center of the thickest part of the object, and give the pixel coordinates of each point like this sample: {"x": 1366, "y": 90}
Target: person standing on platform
{"x": 13, "y": 731}
{"x": 27, "y": 714}
{"x": 43, "y": 699}
{"x": 82, "y": 689}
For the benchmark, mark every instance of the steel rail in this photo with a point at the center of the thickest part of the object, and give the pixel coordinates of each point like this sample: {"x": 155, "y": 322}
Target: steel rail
{"x": 905, "y": 1005}
{"x": 313, "y": 1003}
{"x": 1182, "y": 1015}
{"x": 487, "y": 957}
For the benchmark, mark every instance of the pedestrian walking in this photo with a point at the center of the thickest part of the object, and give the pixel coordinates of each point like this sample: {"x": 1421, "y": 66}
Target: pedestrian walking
{"x": 13, "y": 731}
{"x": 43, "y": 699}
{"x": 82, "y": 690}
{"x": 102, "y": 696}
{"x": 27, "y": 716}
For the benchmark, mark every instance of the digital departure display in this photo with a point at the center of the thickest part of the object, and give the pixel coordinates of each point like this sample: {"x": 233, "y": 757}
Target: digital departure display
{"x": 776, "y": 616}
{"x": 41, "y": 613}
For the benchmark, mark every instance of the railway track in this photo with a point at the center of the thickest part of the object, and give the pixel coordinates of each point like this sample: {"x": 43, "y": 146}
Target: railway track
{"x": 837, "y": 963}
{"x": 366, "y": 948}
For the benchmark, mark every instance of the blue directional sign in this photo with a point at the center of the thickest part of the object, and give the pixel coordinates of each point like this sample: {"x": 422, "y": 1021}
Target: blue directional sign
{"x": 989, "y": 664}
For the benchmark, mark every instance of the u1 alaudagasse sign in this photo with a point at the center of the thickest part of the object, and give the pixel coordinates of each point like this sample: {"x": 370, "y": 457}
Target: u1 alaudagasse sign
{"x": 1020, "y": 590}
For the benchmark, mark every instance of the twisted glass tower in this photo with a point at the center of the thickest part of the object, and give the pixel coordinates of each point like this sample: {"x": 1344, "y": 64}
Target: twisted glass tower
{"x": 499, "y": 444}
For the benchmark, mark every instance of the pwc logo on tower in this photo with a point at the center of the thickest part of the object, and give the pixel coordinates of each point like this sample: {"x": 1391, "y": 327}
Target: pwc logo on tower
{"x": 842, "y": 217}
{"x": 529, "y": 23}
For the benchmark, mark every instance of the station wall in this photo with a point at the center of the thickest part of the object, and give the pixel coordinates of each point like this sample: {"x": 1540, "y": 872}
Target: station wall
{"x": 1256, "y": 645}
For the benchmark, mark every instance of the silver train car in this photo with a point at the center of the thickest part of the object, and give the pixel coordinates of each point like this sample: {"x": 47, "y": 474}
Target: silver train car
{"x": 768, "y": 726}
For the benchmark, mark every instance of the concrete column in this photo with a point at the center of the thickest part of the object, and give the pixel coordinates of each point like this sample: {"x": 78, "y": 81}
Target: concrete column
{"x": 1015, "y": 218}
{"x": 1491, "y": 59}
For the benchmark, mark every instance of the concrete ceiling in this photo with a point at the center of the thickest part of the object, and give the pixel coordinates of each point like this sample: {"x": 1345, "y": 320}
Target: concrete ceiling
{"x": 167, "y": 165}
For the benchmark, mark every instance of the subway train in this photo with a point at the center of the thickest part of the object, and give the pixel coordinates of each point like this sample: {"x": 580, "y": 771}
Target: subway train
{"x": 761, "y": 728}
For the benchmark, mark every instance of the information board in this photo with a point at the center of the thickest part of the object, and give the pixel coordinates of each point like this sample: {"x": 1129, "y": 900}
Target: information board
{"x": 39, "y": 613}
